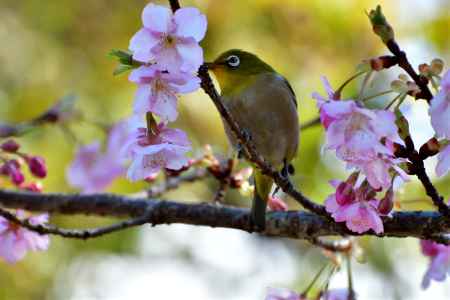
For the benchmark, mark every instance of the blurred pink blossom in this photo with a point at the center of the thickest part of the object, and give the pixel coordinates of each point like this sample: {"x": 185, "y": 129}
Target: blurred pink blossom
{"x": 335, "y": 294}
{"x": 16, "y": 241}
{"x": 277, "y": 204}
{"x": 157, "y": 91}
{"x": 282, "y": 294}
{"x": 12, "y": 169}
{"x": 443, "y": 165}
{"x": 440, "y": 108}
{"x": 166, "y": 148}
{"x": 440, "y": 262}
{"x": 93, "y": 169}
{"x": 170, "y": 40}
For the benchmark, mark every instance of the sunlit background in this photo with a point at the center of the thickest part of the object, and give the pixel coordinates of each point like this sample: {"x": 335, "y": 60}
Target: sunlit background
{"x": 49, "y": 49}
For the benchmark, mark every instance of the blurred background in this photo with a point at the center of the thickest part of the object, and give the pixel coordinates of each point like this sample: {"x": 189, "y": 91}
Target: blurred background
{"x": 50, "y": 49}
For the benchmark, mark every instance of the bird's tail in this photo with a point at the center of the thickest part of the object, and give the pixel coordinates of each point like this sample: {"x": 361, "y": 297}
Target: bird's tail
{"x": 263, "y": 186}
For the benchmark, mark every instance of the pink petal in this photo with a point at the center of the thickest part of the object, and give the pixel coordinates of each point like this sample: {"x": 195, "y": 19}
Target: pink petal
{"x": 157, "y": 18}
{"x": 143, "y": 74}
{"x": 192, "y": 56}
{"x": 443, "y": 165}
{"x": 141, "y": 45}
{"x": 164, "y": 104}
{"x": 175, "y": 136}
{"x": 190, "y": 23}
{"x": 142, "y": 99}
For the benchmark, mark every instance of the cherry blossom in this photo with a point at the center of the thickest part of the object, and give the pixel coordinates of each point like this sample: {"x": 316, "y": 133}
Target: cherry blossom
{"x": 331, "y": 96}
{"x": 157, "y": 91}
{"x": 440, "y": 108}
{"x": 359, "y": 211}
{"x": 93, "y": 169}
{"x": 440, "y": 262}
{"x": 165, "y": 148}
{"x": 16, "y": 241}
{"x": 170, "y": 40}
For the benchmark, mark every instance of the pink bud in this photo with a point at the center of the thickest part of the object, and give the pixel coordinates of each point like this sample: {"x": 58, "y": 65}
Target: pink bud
{"x": 15, "y": 173}
{"x": 10, "y": 146}
{"x": 387, "y": 203}
{"x": 33, "y": 187}
{"x": 37, "y": 166}
{"x": 344, "y": 193}
{"x": 277, "y": 204}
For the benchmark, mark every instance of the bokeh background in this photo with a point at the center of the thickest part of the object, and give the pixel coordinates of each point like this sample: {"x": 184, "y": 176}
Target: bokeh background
{"x": 54, "y": 48}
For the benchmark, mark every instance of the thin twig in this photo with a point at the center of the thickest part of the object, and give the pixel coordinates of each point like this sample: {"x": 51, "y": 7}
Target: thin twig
{"x": 73, "y": 233}
{"x": 174, "y": 182}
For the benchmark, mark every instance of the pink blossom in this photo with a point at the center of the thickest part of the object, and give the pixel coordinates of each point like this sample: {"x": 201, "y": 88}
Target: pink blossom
{"x": 336, "y": 294}
{"x": 16, "y": 241}
{"x": 325, "y": 118}
{"x": 359, "y": 215}
{"x": 440, "y": 262}
{"x": 93, "y": 170}
{"x": 170, "y": 40}
{"x": 282, "y": 294}
{"x": 443, "y": 165}
{"x": 166, "y": 148}
{"x": 440, "y": 108}
{"x": 363, "y": 138}
{"x": 157, "y": 91}
{"x": 277, "y": 204}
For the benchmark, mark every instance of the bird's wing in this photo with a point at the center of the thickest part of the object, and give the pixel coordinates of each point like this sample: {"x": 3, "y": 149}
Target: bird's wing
{"x": 294, "y": 98}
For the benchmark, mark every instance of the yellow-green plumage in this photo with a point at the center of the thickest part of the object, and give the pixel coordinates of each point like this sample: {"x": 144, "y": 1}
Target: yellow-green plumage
{"x": 264, "y": 105}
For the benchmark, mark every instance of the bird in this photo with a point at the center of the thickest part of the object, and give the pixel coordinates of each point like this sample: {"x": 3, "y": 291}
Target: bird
{"x": 264, "y": 105}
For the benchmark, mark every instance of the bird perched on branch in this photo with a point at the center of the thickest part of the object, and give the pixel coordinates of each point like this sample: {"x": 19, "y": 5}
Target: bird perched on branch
{"x": 264, "y": 105}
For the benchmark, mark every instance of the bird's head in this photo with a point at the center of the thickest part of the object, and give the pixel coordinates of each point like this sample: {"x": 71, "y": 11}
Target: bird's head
{"x": 235, "y": 69}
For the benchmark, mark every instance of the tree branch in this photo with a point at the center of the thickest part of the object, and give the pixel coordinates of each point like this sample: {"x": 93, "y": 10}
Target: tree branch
{"x": 292, "y": 224}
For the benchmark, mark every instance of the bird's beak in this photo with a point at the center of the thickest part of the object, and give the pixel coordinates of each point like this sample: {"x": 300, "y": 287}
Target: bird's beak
{"x": 210, "y": 65}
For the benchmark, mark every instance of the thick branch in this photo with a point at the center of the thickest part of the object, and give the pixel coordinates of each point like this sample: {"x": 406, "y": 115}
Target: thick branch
{"x": 292, "y": 224}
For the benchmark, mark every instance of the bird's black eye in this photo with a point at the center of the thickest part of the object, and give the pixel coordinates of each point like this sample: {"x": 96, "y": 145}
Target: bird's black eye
{"x": 233, "y": 61}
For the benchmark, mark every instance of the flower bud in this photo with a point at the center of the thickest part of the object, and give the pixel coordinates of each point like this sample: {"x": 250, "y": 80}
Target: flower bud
{"x": 33, "y": 187}
{"x": 37, "y": 166}
{"x": 10, "y": 146}
{"x": 437, "y": 65}
{"x": 430, "y": 148}
{"x": 402, "y": 124}
{"x": 12, "y": 168}
{"x": 380, "y": 25}
{"x": 387, "y": 203}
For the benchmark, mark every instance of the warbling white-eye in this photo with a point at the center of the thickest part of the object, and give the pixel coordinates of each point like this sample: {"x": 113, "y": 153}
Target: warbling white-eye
{"x": 264, "y": 105}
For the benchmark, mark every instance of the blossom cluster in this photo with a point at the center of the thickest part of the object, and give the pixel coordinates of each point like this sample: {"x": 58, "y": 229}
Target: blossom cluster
{"x": 168, "y": 53}
{"x": 16, "y": 241}
{"x": 365, "y": 140}
{"x": 440, "y": 261}
{"x": 12, "y": 161}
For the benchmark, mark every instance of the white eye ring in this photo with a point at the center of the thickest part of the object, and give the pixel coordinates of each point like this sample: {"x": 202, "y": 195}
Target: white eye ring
{"x": 233, "y": 61}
